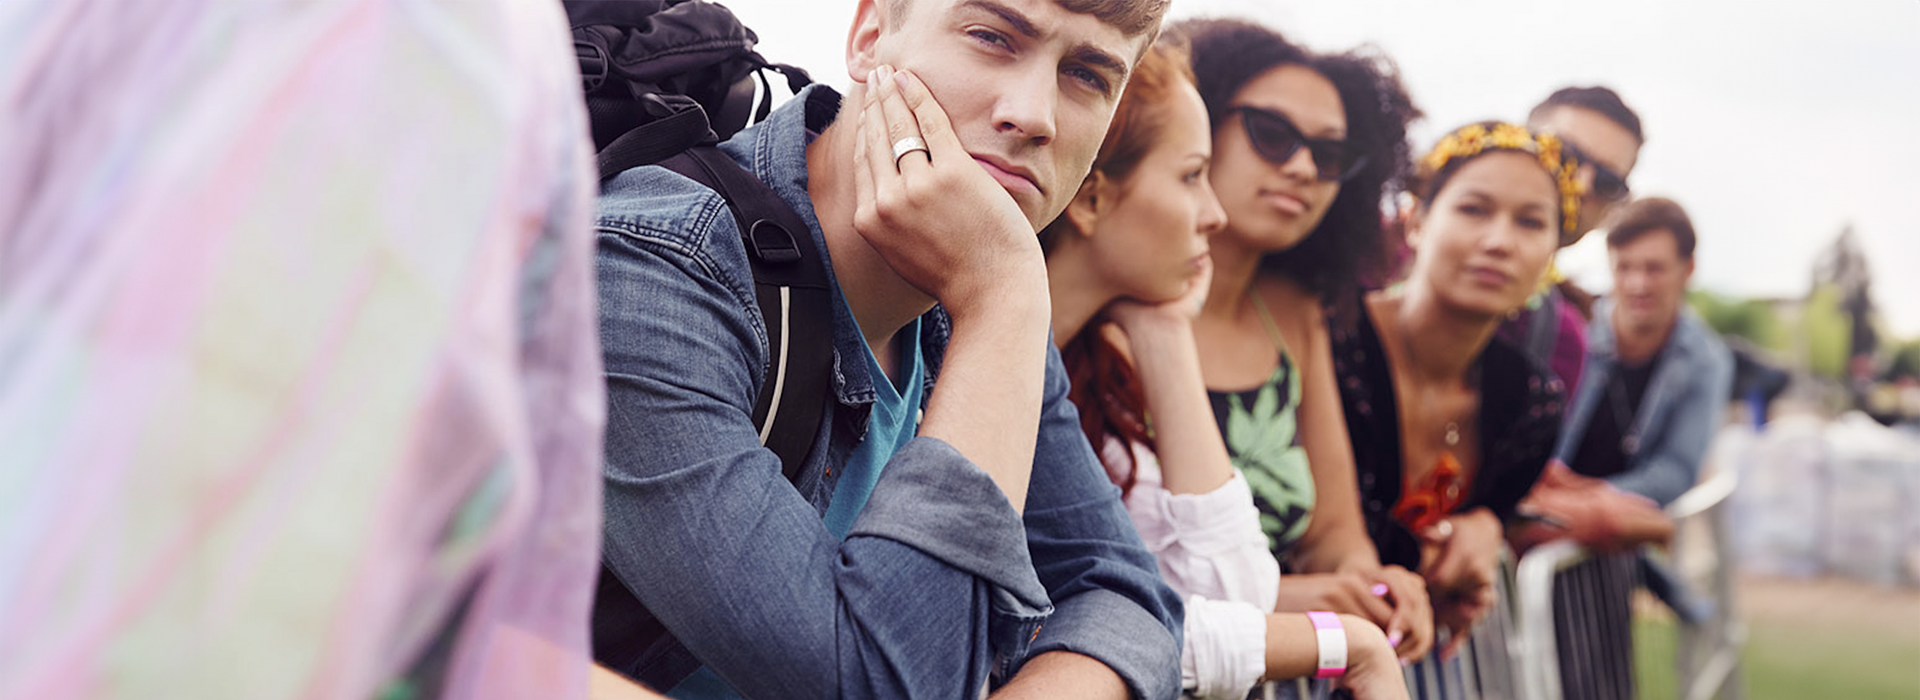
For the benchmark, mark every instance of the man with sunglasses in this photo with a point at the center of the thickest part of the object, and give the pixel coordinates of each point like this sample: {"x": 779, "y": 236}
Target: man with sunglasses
{"x": 1606, "y": 133}
{"x": 1599, "y": 502}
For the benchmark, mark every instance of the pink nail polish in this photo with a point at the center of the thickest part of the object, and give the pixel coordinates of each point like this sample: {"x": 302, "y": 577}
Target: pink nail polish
{"x": 1393, "y": 640}
{"x": 1379, "y": 590}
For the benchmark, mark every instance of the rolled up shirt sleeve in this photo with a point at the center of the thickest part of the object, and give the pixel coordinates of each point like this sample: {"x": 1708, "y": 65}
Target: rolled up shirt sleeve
{"x": 1226, "y": 649}
{"x": 1207, "y": 544}
{"x": 931, "y": 498}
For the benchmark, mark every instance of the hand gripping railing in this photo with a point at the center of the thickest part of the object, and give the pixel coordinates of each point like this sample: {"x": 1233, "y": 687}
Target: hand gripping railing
{"x": 1513, "y": 654}
{"x": 1482, "y": 671}
{"x": 1708, "y": 654}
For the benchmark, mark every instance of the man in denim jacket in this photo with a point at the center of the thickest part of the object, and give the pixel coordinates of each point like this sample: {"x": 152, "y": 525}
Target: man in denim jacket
{"x": 1660, "y": 378}
{"x": 915, "y": 554}
{"x": 1658, "y": 384}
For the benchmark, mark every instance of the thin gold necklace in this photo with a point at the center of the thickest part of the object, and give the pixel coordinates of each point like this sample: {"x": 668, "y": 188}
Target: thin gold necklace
{"x": 1451, "y": 432}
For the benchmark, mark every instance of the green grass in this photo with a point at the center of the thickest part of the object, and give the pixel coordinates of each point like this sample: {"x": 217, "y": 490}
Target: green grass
{"x": 1793, "y": 663}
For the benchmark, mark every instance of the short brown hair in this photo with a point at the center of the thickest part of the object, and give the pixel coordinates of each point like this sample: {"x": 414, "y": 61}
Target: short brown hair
{"x": 1132, "y": 17}
{"x": 1598, "y": 99}
{"x": 1644, "y": 216}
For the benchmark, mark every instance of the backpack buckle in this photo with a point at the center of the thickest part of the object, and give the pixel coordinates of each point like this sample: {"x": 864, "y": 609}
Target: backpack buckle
{"x": 593, "y": 64}
{"x": 771, "y": 242}
{"x": 663, "y": 105}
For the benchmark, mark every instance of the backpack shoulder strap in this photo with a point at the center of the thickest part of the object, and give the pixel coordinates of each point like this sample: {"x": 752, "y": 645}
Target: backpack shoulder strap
{"x": 790, "y": 281}
{"x": 679, "y": 124}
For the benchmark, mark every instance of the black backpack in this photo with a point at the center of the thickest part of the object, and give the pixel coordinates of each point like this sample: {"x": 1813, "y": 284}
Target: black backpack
{"x": 665, "y": 82}
{"x": 662, "y": 76}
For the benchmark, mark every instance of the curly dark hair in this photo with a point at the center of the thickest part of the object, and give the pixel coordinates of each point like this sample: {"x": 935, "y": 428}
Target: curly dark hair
{"x": 1229, "y": 53}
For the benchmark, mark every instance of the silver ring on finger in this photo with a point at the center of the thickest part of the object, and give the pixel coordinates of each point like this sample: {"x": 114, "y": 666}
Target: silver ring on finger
{"x": 908, "y": 145}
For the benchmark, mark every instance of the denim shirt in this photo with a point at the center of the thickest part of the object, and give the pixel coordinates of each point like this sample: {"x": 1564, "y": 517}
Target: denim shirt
{"x": 1676, "y": 420}
{"x": 940, "y": 588}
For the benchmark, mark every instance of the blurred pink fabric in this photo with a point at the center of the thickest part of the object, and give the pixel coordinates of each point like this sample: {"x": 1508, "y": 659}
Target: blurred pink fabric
{"x": 300, "y": 390}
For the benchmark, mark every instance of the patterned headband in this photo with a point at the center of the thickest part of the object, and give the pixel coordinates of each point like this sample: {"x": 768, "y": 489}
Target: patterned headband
{"x": 1474, "y": 139}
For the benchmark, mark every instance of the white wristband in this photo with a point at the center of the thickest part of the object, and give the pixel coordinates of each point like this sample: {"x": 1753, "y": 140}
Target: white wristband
{"x": 1333, "y": 644}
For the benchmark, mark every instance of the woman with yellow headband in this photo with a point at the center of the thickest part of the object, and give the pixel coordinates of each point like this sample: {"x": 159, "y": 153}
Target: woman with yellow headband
{"x": 1451, "y": 426}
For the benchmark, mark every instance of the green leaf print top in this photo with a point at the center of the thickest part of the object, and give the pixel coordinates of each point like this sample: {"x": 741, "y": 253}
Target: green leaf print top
{"x": 1261, "y": 433}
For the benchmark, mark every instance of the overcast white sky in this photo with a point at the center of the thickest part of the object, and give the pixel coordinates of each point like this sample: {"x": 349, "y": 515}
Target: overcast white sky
{"x": 1775, "y": 122}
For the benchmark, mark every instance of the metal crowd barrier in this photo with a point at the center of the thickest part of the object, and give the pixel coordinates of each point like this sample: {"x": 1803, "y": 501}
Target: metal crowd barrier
{"x": 1707, "y": 660}
{"x": 1514, "y": 653}
{"x": 1484, "y": 669}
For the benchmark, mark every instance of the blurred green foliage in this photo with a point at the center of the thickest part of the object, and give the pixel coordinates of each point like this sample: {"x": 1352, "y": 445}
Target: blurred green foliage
{"x": 1906, "y": 361}
{"x": 1752, "y": 319}
{"x": 1826, "y": 330}
{"x": 1819, "y": 333}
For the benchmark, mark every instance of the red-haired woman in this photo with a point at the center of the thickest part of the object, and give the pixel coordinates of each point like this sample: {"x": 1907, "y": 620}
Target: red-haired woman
{"x": 1127, "y": 265}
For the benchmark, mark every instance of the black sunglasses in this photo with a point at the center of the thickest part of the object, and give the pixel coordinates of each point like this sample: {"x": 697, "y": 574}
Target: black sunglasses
{"x": 1276, "y": 139}
{"x": 1608, "y": 185}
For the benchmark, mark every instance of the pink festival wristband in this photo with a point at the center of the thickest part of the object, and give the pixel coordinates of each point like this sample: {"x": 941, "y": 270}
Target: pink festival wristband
{"x": 1333, "y": 644}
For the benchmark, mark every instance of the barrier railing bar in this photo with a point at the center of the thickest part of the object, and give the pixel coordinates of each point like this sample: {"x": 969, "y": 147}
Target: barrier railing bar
{"x": 1706, "y": 495}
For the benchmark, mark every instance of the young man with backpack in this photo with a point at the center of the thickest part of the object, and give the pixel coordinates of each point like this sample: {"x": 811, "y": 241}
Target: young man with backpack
{"x": 945, "y": 530}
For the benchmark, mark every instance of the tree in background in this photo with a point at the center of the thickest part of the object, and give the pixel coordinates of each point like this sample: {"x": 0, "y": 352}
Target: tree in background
{"x": 1756, "y": 320}
{"x": 1824, "y": 333}
{"x": 1844, "y": 269}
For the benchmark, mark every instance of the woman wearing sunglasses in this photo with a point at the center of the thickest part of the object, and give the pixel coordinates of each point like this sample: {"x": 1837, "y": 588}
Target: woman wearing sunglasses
{"x": 1127, "y": 265}
{"x": 1450, "y": 425}
{"x": 1305, "y": 146}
